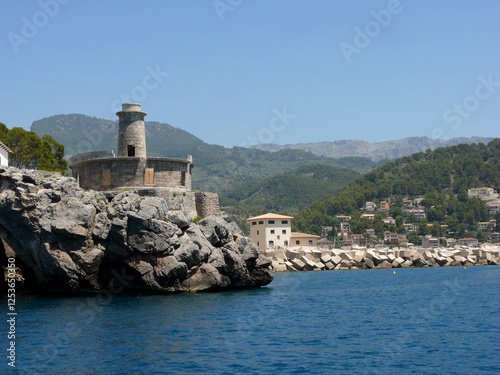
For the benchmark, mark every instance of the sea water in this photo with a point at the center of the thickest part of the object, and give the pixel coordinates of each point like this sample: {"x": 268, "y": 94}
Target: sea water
{"x": 403, "y": 321}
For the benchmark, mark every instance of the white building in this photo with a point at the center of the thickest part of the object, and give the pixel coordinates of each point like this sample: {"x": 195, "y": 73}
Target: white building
{"x": 370, "y": 206}
{"x": 271, "y": 230}
{"x": 4, "y": 154}
{"x": 483, "y": 193}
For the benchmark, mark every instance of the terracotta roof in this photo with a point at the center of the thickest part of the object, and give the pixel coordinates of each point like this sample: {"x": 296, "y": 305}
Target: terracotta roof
{"x": 468, "y": 239}
{"x": 302, "y": 235}
{"x": 5, "y": 148}
{"x": 269, "y": 216}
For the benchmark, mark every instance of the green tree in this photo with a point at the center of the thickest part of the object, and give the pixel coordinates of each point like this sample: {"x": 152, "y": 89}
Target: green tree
{"x": 32, "y": 152}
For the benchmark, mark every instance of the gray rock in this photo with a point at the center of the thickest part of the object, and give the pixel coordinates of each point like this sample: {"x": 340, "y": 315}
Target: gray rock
{"x": 75, "y": 240}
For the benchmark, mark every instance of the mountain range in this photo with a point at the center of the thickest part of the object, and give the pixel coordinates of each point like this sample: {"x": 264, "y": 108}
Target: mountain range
{"x": 218, "y": 169}
{"x": 375, "y": 151}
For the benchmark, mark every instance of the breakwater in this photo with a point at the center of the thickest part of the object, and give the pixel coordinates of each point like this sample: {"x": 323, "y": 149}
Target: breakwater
{"x": 362, "y": 258}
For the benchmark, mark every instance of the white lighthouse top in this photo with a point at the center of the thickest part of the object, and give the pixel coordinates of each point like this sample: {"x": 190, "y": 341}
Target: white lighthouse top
{"x": 132, "y": 107}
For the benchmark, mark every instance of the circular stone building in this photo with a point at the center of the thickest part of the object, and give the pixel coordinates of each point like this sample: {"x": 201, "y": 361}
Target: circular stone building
{"x": 132, "y": 168}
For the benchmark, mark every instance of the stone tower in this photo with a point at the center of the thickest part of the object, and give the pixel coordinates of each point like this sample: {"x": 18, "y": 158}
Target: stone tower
{"x": 131, "y": 133}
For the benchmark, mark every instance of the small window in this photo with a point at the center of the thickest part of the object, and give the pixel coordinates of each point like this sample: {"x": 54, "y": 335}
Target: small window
{"x": 278, "y": 237}
{"x": 284, "y": 221}
{"x": 258, "y": 244}
{"x": 131, "y": 150}
{"x": 271, "y": 243}
{"x": 297, "y": 242}
{"x": 261, "y": 222}
{"x": 270, "y": 222}
{"x": 254, "y": 223}
{"x": 183, "y": 178}
{"x": 272, "y": 231}
{"x": 283, "y": 231}
{"x": 310, "y": 242}
{"x": 258, "y": 233}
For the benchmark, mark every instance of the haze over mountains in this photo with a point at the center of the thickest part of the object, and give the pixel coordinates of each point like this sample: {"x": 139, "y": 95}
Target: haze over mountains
{"x": 375, "y": 151}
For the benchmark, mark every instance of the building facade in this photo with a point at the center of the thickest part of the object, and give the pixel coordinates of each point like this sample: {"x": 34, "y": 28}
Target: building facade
{"x": 132, "y": 168}
{"x": 303, "y": 240}
{"x": 4, "y": 155}
{"x": 271, "y": 230}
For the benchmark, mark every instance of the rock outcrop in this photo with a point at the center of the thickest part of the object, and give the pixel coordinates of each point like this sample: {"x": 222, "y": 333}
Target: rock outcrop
{"x": 73, "y": 240}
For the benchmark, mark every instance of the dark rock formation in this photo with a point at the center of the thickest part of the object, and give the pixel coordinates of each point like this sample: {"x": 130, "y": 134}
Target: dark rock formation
{"x": 73, "y": 240}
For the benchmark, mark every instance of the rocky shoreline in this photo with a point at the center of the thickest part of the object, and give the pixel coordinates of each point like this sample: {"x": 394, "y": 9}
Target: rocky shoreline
{"x": 68, "y": 240}
{"x": 284, "y": 260}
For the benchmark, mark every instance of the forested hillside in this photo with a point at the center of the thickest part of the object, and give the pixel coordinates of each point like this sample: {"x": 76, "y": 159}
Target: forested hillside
{"x": 286, "y": 193}
{"x": 441, "y": 176}
{"x": 217, "y": 168}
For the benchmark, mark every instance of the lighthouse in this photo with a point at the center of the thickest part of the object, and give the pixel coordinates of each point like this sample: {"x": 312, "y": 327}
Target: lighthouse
{"x": 131, "y": 131}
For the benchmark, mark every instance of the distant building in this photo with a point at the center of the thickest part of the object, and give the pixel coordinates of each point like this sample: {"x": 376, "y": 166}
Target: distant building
{"x": 371, "y": 232}
{"x": 417, "y": 201}
{"x": 391, "y": 238}
{"x": 343, "y": 217}
{"x": 419, "y": 214}
{"x": 271, "y": 230}
{"x": 451, "y": 242}
{"x": 370, "y": 206}
{"x": 468, "y": 241}
{"x": 4, "y": 155}
{"x": 407, "y": 203}
{"x": 410, "y": 227}
{"x": 486, "y": 225}
{"x": 493, "y": 208}
{"x": 345, "y": 226}
{"x": 303, "y": 240}
{"x": 389, "y": 220}
{"x": 385, "y": 206}
{"x": 429, "y": 242}
{"x": 483, "y": 193}
{"x": 357, "y": 240}
{"x": 494, "y": 237}
{"x": 368, "y": 216}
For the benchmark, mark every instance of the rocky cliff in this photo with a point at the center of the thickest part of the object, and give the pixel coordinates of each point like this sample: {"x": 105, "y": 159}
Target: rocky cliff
{"x": 71, "y": 240}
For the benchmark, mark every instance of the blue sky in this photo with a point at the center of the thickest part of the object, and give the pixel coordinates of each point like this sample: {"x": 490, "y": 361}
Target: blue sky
{"x": 239, "y": 72}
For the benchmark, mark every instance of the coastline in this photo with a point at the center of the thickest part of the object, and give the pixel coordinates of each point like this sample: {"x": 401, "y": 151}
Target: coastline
{"x": 288, "y": 260}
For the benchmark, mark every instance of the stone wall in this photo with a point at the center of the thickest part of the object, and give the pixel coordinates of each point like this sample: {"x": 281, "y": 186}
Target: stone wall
{"x": 207, "y": 204}
{"x": 92, "y": 155}
{"x": 129, "y": 172}
{"x": 362, "y": 258}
